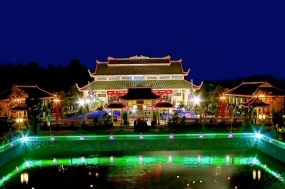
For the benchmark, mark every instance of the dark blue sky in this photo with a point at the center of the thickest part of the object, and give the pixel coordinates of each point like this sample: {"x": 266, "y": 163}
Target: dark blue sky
{"x": 215, "y": 40}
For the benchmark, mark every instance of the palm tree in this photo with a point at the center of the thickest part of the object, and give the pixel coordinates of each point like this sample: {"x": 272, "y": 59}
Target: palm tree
{"x": 181, "y": 104}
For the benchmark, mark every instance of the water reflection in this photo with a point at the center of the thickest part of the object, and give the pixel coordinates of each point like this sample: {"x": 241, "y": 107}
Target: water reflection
{"x": 203, "y": 172}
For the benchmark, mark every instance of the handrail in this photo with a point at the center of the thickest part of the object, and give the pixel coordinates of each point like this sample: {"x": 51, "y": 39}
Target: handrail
{"x": 274, "y": 142}
{"x": 9, "y": 145}
{"x": 140, "y": 137}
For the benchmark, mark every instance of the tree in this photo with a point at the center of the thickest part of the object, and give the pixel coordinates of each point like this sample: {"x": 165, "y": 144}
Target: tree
{"x": 74, "y": 93}
{"x": 247, "y": 115}
{"x": 34, "y": 112}
{"x": 215, "y": 96}
{"x": 181, "y": 104}
{"x": 64, "y": 101}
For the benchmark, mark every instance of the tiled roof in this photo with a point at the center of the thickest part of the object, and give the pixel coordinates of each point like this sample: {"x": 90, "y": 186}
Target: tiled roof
{"x": 20, "y": 107}
{"x": 139, "y": 61}
{"x": 255, "y": 103}
{"x": 140, "y": 93}
{"x": 32, "y": 91}
{"x": 104, "y": 69}
{"x": 115, "y": 105}
{"x": 163, "y": 105}
{"x": 155, "y": 84}
{"x": 270, "y": 91}
{"x": 244, "y": 89}
{"x": 255, "y": 89}
{"x": 35, "y": 92}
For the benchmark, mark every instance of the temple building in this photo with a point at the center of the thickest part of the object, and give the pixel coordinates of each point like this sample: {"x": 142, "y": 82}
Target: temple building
{"x": 114, "y": 77}
{"x": 13, "y": 100}
{"x": 267, "y": 98}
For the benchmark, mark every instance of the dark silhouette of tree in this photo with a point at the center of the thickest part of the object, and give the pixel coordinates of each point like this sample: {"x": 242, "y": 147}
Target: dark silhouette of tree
{"x": 34, "y": 113}
{"x": 52, "y": 79}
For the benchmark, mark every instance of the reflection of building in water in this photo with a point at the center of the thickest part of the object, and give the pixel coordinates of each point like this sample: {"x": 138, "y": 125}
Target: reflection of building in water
{"x": 216, "y": 173}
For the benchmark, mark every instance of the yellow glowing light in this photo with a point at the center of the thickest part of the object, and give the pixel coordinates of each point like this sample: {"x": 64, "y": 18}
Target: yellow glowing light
{"x": 196, "y": 100}
{"x": 24, "y": 178}
{"x": 19, "y": 120}
{"x": 254, "y": 174}
{"x": 222, "y": 97}
{"x": 56, "y": 100}
{"x": 263, "y": 116}
{"x": 81, "y": 102}
{"x": 258, "y": 174}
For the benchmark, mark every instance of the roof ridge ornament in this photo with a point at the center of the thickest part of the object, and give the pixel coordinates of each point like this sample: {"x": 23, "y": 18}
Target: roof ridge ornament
{"x": 139, "y": 57}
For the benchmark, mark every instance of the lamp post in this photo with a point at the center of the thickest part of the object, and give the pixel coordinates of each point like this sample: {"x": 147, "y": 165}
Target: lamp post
{"x": 82, "y": 104}
{"x": 196, "y": 102}
{"x": 56, "y": 101}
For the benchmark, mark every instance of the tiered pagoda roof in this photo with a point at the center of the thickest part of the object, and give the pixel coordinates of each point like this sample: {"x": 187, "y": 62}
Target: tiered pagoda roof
{"x": 249, "y": 89}
{"x": 155, "y": 84}
{"x": 139, "y": 65}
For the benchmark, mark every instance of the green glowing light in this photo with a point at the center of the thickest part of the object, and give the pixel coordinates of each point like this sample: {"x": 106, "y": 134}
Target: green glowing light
{"x": 201, "y": 161}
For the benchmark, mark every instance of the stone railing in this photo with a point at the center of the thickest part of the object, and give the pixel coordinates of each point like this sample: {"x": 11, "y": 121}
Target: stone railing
{"x": 159, "y": 142}
{"x": 272, "y": 147}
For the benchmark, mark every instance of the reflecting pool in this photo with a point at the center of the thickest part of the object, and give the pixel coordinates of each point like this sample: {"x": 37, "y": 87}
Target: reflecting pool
{"x": 143, "y": 170}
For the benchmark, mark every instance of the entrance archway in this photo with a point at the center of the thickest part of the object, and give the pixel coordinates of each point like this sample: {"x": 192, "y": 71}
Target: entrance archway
{"x": 140, "y": 96}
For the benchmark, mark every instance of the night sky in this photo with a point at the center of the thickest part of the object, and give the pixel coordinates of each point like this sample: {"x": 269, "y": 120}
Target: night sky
{"x": 215, "y": 40}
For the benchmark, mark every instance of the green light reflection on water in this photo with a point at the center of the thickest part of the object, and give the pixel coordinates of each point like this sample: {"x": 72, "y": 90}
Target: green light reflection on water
{"x": 131, "y": 160}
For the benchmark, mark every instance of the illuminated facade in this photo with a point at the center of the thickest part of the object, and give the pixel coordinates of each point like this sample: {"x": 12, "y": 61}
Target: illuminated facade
{"x": 262, "y": 90}
{"x": 12, "y": 101}
{"x": 165, "y": 76}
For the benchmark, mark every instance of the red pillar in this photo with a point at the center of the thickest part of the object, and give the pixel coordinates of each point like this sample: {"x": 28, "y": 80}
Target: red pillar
{"x": 56, "y": 112}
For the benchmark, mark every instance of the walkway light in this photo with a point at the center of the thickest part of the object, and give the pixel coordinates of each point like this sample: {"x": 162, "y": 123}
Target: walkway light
{"x": 227, "y": 159}
{"x": 230, "y": 135}
{"x": 111, "y": 137}
{"x": 200, "y": 136}
{"x": 81, "y": 137}
{"x": 169, "y": 159}
{"x": 141, "y": 137}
